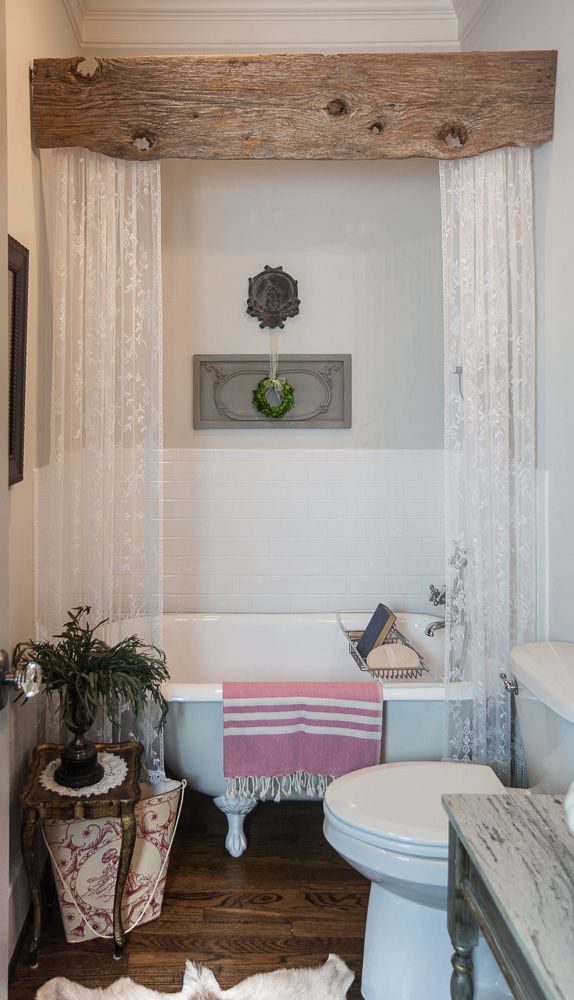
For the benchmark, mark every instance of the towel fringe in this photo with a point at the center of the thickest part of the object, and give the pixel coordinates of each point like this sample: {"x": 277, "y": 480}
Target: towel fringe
{"x": 265, "y": 787}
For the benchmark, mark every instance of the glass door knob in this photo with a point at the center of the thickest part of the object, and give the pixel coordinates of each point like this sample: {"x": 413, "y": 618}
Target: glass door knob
{"x": 26, "y": 680}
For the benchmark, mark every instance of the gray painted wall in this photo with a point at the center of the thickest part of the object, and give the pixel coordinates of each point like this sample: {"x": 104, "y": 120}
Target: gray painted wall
{"x": 362, "y": 239}
{"x": 530, "y": 24}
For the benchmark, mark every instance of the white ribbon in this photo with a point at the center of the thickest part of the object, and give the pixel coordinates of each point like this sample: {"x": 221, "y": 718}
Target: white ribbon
{"x": 273, "y": 381}
{"x": 273, "y": 356}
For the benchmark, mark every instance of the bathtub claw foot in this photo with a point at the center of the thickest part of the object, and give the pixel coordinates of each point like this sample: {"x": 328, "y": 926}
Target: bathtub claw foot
{"x": 236, "y": 809}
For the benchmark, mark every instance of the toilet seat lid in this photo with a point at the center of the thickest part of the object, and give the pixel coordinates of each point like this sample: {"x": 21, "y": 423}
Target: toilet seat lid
{"x": 402, "y": 801}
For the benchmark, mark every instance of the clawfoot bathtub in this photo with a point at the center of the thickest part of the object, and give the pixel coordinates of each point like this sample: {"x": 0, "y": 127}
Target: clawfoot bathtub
{"x": 205, "y": 650}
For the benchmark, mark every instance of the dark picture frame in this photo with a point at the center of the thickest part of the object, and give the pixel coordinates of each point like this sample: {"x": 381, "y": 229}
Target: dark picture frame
{"x": 18, "y": 320}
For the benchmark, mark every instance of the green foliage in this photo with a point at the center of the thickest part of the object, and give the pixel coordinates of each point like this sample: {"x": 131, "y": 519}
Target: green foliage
{"x": 86, "y": 673}
{"x": 261, "y": 403}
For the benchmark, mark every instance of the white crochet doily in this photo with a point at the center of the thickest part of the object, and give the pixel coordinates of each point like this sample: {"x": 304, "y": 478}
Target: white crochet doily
{"x": 115, "y": 770}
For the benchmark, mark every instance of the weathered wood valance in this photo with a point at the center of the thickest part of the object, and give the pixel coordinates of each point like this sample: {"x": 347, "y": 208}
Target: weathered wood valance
{"x": 302, "y": 107}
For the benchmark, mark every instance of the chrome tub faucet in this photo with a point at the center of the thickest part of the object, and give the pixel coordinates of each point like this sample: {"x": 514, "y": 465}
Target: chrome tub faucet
{"x": 435, "y": 626}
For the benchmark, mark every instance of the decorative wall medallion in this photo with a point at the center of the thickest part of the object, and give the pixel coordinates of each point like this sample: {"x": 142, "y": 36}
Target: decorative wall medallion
{"x": 223, "y": 386}
{"x": 272, "y": 297}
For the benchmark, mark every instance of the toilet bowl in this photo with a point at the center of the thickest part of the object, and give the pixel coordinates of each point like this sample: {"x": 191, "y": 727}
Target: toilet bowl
{"x": 388, "y": 822}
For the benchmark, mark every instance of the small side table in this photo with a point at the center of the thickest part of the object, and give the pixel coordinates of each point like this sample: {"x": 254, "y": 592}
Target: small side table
{"x": 39, "y": 804}
{"x": 511, "y": 876}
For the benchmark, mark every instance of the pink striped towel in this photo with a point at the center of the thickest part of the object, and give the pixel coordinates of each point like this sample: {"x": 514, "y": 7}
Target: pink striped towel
{"x": 280, "y": 736}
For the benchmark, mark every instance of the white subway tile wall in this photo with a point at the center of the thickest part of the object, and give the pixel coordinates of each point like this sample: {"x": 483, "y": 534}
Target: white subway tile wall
{"x": 309, "y": 530}
{"x": 261, "y": 530}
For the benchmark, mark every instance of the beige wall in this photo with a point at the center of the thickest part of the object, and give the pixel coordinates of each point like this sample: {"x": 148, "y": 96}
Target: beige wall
{"x": 4, "y": 718}
{"x": 529, "y": 24}
{"x": 34, "y": 28}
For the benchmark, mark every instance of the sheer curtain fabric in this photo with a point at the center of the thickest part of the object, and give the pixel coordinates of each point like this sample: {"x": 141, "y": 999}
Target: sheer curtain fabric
{"x": 488, "y": 260}
{"x": 100, "y": 499}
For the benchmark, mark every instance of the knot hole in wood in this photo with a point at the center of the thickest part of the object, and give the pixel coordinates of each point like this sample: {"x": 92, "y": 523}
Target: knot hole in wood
{"x": 88, "y": 67}
{"x": 454, "y": 135}
{"x": 143, "y": 141}
{"x": 376, "y": 128}
{"x": 337, "y": 107}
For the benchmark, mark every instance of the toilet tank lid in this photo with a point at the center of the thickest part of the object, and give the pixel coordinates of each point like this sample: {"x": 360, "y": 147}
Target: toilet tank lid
{"x": 547, "y": 670}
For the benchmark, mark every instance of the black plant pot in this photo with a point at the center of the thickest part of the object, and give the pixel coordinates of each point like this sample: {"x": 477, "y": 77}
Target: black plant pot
{"x": 79, "y": 765}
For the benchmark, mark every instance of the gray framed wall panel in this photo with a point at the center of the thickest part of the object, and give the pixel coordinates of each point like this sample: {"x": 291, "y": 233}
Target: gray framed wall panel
{"x": 223, "y": 384}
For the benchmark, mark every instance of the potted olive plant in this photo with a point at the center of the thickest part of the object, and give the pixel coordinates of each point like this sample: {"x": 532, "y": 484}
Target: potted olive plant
{"x": 88, "y": 674}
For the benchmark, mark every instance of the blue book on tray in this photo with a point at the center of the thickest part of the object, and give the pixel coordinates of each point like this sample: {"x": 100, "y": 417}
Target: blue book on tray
{"x": 376, "y": 631}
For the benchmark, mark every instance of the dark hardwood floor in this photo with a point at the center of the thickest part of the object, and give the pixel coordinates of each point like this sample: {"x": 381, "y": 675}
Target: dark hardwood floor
{"x": 289, "y": 901}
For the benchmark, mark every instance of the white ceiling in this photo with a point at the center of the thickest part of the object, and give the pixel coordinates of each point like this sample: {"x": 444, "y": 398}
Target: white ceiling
{"x": 272, "y": 25}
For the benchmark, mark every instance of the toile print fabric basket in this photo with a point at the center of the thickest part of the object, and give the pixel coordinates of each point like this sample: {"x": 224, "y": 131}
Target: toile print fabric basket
{"x": 85, "y": 855}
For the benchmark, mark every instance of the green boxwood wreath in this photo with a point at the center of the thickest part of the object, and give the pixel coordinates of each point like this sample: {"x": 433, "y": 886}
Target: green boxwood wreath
{"x": 262, "y": 405}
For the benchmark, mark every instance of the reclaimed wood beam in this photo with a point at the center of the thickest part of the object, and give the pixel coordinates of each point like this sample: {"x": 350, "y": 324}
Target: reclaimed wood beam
{"x": 298, "y": 106}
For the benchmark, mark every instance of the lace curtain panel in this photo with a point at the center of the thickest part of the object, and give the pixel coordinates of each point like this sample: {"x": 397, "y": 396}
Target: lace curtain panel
{"x": 99, "y": 536}
{"x": 489, "y": 304}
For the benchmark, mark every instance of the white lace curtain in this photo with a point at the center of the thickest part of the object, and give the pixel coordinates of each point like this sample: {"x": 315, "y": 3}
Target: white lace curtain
{"x": 488, "y": 261}
{"x": 100, "y": 499}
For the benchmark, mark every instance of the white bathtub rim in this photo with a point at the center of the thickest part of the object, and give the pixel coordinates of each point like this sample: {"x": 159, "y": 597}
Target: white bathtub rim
{"x": 212, "y": 690}
{"x": 357, "y": 618}
{"x": 393, "y": 691}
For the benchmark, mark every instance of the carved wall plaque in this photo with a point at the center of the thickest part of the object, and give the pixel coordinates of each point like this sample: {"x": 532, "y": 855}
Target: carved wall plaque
{"x": 223, "y": 384}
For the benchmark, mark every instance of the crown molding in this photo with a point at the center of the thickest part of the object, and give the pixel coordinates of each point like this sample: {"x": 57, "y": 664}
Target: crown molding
{"x": 76, "y": 11}
{"x": 141, "y": 48}
{"x": 469, "y": 13}
{"x": 193, "y": 8}
{"x": 215, "y": 26}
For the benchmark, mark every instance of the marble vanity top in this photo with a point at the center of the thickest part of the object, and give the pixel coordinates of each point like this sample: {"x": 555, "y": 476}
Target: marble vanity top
{"x": 523, "y": 852}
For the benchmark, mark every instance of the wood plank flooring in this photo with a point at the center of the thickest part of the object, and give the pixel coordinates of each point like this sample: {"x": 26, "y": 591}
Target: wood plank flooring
{"x": 289, "y": 901}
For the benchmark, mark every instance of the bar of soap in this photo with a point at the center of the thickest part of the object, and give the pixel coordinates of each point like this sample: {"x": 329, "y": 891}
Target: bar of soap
{"x": 393, "y": 656}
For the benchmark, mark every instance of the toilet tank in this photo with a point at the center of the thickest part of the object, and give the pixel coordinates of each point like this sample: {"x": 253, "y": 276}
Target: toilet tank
{"x": 544, "y": 704}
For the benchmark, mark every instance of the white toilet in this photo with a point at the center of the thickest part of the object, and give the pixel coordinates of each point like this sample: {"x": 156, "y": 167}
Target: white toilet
{"x": 388, "y": 823}
{"x": 544, "y": 700}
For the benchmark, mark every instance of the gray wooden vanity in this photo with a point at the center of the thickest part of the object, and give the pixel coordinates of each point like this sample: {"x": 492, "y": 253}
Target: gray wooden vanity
{"x": 511, "y": 875}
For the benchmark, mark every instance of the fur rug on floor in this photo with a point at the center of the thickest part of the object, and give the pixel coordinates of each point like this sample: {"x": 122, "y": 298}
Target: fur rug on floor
{"x": 329, "y": 981}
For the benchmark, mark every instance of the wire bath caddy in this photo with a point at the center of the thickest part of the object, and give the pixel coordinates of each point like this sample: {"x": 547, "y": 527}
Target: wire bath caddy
{"x": 395, "y": 636}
